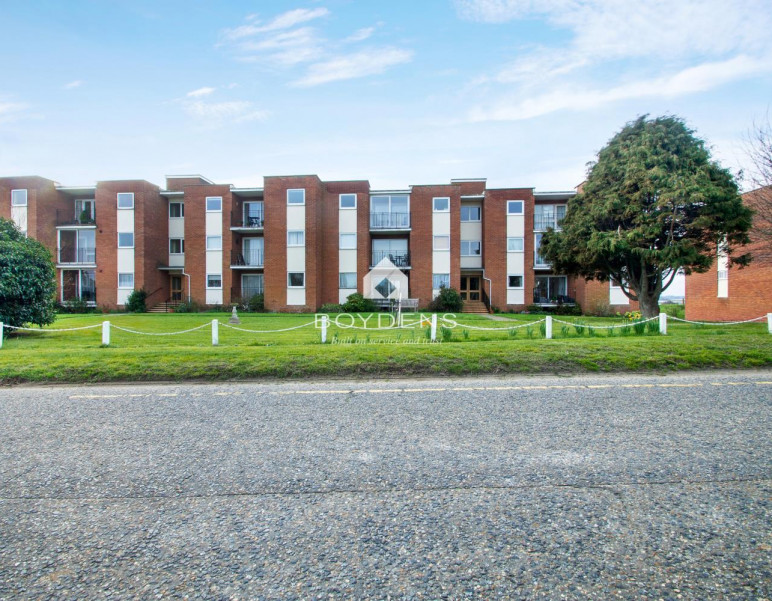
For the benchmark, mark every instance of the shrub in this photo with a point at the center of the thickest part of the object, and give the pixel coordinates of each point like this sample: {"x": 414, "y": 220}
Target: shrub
{"x": 600, "y": 309}
{"x": 215, "y": 309}
{"x": 448, "y": 300}
{"x": 331, "y": 308}
{"x": 356, "y": 303}
{"x": 256, "y": 303}
{"x": 76, "y": 305}
{"x": 188, "y": 307}
{"x": 136, "y": 301}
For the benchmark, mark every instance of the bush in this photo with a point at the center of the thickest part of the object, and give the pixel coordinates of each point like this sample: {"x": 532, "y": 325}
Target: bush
{"x": 76, "y": 305}
{"x": 136, "y": 301}
{"x": 188, "y": 307}
{"x": 356, "y": 303}
{"x": 448, "y": 300}
{"x": 331, "y": 308}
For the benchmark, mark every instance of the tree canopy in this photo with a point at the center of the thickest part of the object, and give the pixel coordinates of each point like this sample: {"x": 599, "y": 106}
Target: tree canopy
{"x": 27, "y": 279}
{"x": 653, "y": 203}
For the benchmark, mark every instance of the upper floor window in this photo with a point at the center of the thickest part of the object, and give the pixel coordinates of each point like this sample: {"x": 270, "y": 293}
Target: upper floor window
{"x": 514, "y": 245}
{"x": 471, "y": 248}
{"x": 296, "y": 279}
{"x": 442, "y": 243}
{"x": 347, "y": 280}
{"x": 390, "y": 204}
{"x": 296, "y": 196}
{"x": 18, "y": 198}
{"x": 126, "y": 200}
{"x": 296, "y": 238}
{"x": 348, "y": 201}
{"x": 125, "y": 239}
{"x": 348, "y": 241}
{"x": 471, "y": 213}
{"x": 214, "y": 243}
{"x": 176, "y": 209}
{"x": 214, "y": 280}
{"x": 213, "y": 204}
{"x": 440, "y": 280}
{"x": 176, "y": 246}
{"x": 548, "y": 216}
{"x": 442, "y": 205}
{"x": 515, "y": 207}
{"x": 125, "y": 280}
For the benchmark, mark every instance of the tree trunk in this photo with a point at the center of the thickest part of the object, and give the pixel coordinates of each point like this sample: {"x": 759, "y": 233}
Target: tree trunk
{"x": 649, "y": 304}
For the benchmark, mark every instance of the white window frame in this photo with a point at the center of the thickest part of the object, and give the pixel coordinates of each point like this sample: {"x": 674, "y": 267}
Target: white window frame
{"x": 295, "y": 244}
{"x": 340, "y": 202}
{"x": 182, "y": 210}
{"x": 469, "y": 253}
{"x": 516, "y": 250}
{"x": 434, "y": 204}
{"x": 125, "y": 196}
{"x": 438, "y": 275}
{"x": 213, "y": 275}
{"x": 212, "y": 239}
{"x": 511, "y": 203}
{"x": 438, "y": 238}
{"x": 125, "y": 287}
{"x": 14, "y": 203}
{"x": 296, "y": 204}
{"x": 348, "y": 235}
{"x": 217, "y": 198}
{"x": 479, "y": 213}
{"x": 125, "y": 234}
{"x": 289, "y": 279}
{"x": 182, "y": 246}
{"x": 516, "y": 275}
{"x": 340, "y": 280}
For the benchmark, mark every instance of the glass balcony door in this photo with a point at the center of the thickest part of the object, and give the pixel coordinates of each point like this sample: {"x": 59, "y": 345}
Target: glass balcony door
{"x": 77, "y": 246}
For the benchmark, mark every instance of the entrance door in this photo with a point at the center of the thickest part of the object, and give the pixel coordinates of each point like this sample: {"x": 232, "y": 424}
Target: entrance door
{"x": 470, "y": 287}
{"x": 176, "y": 287}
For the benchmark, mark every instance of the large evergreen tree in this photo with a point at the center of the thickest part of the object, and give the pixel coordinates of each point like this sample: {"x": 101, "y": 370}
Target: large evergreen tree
{"x": 654, "y": 202}
{"x": 27, "y": 279}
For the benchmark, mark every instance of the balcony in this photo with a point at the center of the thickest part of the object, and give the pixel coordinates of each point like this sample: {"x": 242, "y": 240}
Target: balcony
{"x": 252, "y": 259}
{"x": 540, "y": 262}
{"x": 68, "y": 218}
{"x": 390, "y": 222}
{"x": 400, "y": 259}
{"x": 76, "y": 256}
{"x": 544, "y": 222}
{"x": 253, "y": 222}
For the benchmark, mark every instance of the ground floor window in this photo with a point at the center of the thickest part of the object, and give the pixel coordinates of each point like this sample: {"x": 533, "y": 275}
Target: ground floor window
{"x": 251, "y": 284}
{"x": 78, "y": 284}
{"x": 550, "y": 289}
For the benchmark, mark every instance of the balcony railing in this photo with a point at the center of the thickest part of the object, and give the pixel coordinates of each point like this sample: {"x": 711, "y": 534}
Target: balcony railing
{"x": 69, "y": 254}
{"x": 540, "y": 262}
{"x": 245, "y": 293}
{"x": 68, "y": 218}
{"x": 252, "y": 258}
{"x": 389, "y": 221}
{"x": 251, "y": 221}
{"x": 88, "y": 296}
{"x": 399, "y": 258}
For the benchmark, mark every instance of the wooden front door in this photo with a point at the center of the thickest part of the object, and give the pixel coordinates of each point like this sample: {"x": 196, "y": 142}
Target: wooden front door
{"x": 176, "y": 288}
{"x": 470, "y": 287}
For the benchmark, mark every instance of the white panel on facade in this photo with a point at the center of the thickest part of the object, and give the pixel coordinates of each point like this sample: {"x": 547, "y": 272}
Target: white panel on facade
{"x": 515, "y": 263}
{"x": 515, "y": 226}
{"x": 348, "y": 261}
{"x": 296, "y": 259}
{"x": 441, "y": 224}
{"x": 177, "y": 227}
{"x": 344, "y": 293}
{"x": 123, "y": 296}
{"x": 723, "y": 289}
{"x": 214, "y": 297}
{"x": 177, "y": 260}
{"x": 19, "y": 217}
{"x": 296, "y": 296}
{"x": 125, "y": 260}
{"x": 296, "y": 217}
{"x": 125, "y": 221}
{"x": 214, "y": 224}
{"x": 441, "y": 262}
{"x": 471, "y": 230}
{"x": 468, "y": 262}
{"x": 347, "y": 221}
{"x": 214, "y": 261}
{"x": 515, "y": 297}
{"x": 616, "y": 296}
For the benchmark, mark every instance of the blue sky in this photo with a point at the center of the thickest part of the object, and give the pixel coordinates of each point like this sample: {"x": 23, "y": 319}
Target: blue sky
{"x": 522, "y": 92}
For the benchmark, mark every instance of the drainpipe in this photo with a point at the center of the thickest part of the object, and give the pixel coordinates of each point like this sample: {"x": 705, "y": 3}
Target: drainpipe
{"x": 490, "y": 289}
{"x": 187, "y": 275}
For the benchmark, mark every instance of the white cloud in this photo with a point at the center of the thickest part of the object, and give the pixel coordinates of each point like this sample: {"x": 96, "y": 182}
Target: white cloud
{"x": 282, "y": 21}
{"x": 360, "y": 35}
{"x": 73, "y": 84}
{"x": 360, "y": 64}
{"x": 10, "y": 111}
{"x": 200, "y": 92}
{"x": 235, "y": 111}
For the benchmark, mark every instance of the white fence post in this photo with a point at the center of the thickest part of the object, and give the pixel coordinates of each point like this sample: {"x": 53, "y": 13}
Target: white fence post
{"x": 324, "y": 329}
{"x": 105, "y": 333}
{"x": 769, "y": 325}
{"x": 434, "y": 327}
{"x": 2, "y": 331}
{"x": 215, "y": 332}
{"x": 548, "y": 329}
{"x": 663, "y": 323}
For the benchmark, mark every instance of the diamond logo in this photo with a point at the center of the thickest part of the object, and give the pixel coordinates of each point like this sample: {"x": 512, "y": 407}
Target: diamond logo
{"x": 385, "y": 287}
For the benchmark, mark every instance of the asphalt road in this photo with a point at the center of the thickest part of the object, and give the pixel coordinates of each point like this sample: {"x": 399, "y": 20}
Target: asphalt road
{"x": 601, "y": 487}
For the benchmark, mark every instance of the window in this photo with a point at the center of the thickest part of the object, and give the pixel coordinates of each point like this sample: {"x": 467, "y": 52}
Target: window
{"x": 442, "y": 243}
{"x": 441, "y": 205}
{"x": 348, "y": 241}
{"x": 125, "y": 280}
{"x": 176, "y": 209}
{"x": 126, "y": 240}
{"x": 176, "y": 246}
{"x": 296, "y": 197}
{"x": 723, "y": 274}
{"x": 18, "y": 198}
{"x": 471, "y": 248}
{"x": 214, "y": 243}
{"x": 348, "y": 280}
{"x": 440, "y": 280}
{"x": 514, "y": 207}
{"x": 296, "y": 280}
{"x": 471, "y": 213}
{"x": 296, "y": 238}
{"x": 390, "y": 212}
{"x": 126, "y": 200}
{"x": 514, "y": 245}
{"x": 214, "y": 280}
{"x": 348, "y": 201}
{"x": 213, "y": 204}
{"x": 514, "y": 281}
{"x": 84, "y": 211}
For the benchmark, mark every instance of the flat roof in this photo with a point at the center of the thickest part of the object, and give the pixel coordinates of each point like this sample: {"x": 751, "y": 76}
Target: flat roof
{"x": 207, "y": 180}
{"x": 76, "y": 190}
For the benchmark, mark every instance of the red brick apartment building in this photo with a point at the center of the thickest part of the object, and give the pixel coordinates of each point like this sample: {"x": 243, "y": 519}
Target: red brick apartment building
{"x": 732, "y": 294}
{"x": 299, "y": 240}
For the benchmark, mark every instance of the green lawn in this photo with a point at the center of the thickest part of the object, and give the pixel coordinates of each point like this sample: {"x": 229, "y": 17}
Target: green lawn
{"x": 78, "y": 356}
